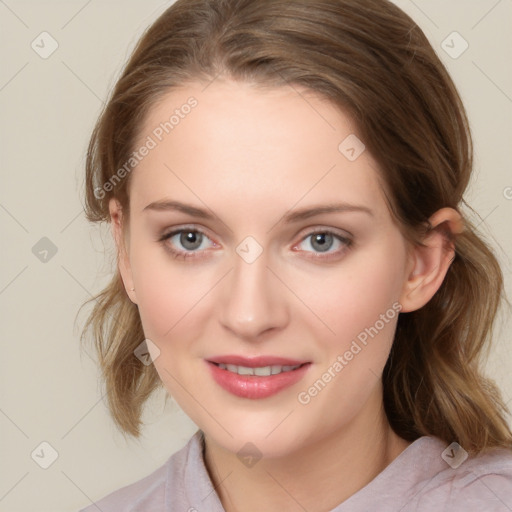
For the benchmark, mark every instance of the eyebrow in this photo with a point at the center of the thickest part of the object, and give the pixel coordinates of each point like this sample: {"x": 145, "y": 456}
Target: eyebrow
{"x": 166, "y": 205}
{"x": 306, "y": 213}
{"x": 293, "y": 216}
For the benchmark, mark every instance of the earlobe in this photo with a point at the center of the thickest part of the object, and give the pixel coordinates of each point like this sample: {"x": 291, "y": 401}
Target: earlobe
{"x": 431, "y": 262}
{"x": 123, "y": 260}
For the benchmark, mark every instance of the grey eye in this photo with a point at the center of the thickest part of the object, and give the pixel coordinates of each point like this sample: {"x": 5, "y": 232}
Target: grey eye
{"x": 321, "y": 241}
{"x": 191, "y": 240}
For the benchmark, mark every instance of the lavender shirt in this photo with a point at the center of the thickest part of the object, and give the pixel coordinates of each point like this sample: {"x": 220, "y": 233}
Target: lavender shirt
{"x": 421, "y": 479}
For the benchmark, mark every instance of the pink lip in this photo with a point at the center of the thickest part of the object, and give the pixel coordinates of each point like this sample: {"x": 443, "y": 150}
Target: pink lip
{"x": 252, "y": 386}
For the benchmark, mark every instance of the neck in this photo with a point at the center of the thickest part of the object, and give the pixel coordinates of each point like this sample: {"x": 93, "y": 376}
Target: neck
{"x": 317, "y": 477}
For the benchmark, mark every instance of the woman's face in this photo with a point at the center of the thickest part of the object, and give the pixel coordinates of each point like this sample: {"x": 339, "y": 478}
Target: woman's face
{"x": 259, "y": 239}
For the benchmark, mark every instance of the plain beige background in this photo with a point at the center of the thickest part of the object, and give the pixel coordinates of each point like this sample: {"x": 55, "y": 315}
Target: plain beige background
{"x": 49, "y": 392}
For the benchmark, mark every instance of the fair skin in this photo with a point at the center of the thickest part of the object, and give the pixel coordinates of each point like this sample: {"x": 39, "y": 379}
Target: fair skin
{"x": 250, "y": 157}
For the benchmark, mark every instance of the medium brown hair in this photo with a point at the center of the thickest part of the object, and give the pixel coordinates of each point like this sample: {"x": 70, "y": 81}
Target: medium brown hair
{"x": 372, "y": 61}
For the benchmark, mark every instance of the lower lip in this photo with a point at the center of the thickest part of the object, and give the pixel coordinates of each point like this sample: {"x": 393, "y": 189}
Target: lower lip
{"x": 250, "y": 386}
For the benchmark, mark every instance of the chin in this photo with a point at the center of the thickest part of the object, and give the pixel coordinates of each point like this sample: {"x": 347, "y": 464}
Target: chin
{"x": 266, "y": 437}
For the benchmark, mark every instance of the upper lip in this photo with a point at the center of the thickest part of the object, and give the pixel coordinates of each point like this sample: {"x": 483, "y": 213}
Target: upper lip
{"x": 256, "y": 361}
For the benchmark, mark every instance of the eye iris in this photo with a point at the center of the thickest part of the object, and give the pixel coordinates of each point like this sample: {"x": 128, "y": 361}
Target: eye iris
{"x": 324, "y": 240}
{"x": 188, "y": 238}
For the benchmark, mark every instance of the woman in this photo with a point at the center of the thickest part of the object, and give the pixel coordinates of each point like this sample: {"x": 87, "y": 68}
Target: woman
{"x": 284, "y": 182}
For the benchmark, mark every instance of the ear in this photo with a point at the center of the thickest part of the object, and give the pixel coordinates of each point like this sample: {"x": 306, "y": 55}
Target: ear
{"x": 123, "y": 259}
{"x": 429, "y": 264}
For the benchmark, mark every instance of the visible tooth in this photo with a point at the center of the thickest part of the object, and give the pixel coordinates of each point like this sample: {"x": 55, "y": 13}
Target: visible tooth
{"x": 263, "y": 371}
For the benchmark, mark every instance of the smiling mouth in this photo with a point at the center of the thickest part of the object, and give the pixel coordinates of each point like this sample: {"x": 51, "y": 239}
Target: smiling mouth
{"x": 258, "y": 377}
{"x": 258, "y": 371}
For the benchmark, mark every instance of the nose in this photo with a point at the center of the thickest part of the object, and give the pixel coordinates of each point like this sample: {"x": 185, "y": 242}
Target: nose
{"x": 253, "y": 300}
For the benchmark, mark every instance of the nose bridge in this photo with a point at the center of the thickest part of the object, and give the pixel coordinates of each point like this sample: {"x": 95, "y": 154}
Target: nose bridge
{"x": 253, "y": 302}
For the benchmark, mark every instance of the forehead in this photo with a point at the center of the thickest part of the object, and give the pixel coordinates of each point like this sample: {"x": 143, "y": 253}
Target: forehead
{"x": 233, "y": 139}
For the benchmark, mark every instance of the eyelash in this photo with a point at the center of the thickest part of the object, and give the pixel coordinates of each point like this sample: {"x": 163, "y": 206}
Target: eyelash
{"x": 186, "y": 255}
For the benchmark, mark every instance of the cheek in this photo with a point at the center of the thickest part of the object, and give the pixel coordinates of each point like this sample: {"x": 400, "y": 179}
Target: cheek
{"x": 167, "y": 292}
{"x": 353, "y": 296}
{"x": 360, "y": 304}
